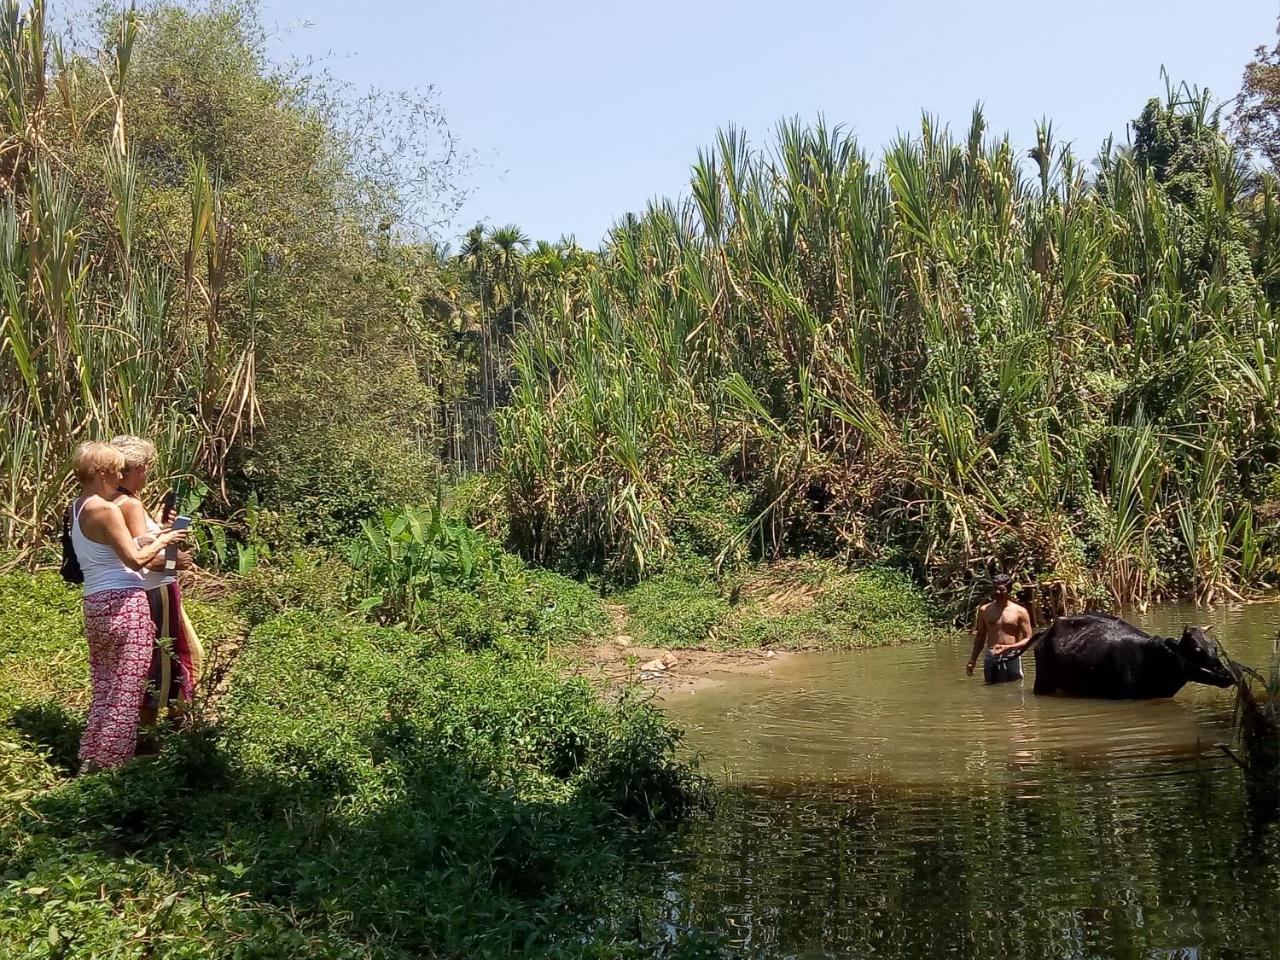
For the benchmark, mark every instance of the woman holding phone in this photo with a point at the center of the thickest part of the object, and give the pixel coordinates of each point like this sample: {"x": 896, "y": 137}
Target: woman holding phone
{"x": 117, "y": 622}
{"x": 175, "y": 659}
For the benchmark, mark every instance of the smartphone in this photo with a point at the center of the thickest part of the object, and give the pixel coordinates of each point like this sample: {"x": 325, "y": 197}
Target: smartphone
{"x": 168, "y": 506}
{"x": 171, "y": 551}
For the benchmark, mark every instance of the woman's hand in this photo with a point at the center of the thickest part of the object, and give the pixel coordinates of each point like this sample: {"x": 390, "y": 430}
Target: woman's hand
{"x": 168, "y": 535}
{"x": 103, "y": 522}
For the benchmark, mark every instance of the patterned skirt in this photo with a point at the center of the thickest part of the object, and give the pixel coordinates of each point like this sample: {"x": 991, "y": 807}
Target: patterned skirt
{"x": 176, "y": 656}
{"x": 121, "y": 635}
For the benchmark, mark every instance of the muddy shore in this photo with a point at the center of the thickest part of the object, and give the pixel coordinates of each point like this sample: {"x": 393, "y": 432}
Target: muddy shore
{"x": 671, "y": 672}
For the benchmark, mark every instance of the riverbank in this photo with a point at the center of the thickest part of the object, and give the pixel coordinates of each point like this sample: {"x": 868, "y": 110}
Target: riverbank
{"x": 801, "y": 604}
{"x": 667, "y": 671}
{"x": 686, "y": 630}
{"x": 359, "y": 790}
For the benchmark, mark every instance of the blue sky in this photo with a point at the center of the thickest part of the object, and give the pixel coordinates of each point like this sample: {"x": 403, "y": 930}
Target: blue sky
{"x": 577, "y": 112}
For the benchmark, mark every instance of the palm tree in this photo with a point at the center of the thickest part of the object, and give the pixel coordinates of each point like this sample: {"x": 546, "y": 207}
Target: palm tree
{"x": 509, "y": 243}
{"x": 476, "y": 256}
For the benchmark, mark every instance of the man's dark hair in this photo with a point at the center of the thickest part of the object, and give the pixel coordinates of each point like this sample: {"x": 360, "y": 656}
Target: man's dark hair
{"x": 1002, "y": 580}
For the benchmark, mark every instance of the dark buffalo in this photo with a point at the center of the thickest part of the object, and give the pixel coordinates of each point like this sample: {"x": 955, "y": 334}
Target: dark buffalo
{"x": 1097, "y": 655}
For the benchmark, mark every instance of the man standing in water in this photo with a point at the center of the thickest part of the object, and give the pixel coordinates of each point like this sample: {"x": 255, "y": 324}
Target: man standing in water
{"x": 1004, "y": 628}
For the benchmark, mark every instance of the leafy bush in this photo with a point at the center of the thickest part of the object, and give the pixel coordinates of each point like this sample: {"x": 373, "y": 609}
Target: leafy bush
{"x": 305, "y": 579}
{"x": 404, "y": 556}
{"x": 417, "y": 568}
{"x": 676, "y": 608}
{"x": 799, "y": 605}
{"x": 867, "y": 608}
{"x": 382, "y": 698}
{"x": 366, "y": 792}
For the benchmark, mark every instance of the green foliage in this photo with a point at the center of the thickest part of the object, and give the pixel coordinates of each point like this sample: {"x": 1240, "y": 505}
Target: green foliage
{"x": 675, "y": 609}
{"x": 416, "y": 567}
{"x": 306, "y": 580}
{"x": 384, "y": 698}
{"x": 868, "y": 608}
{"x": 404, "y": 556}
{"x": 365, "y": 792}
{"x": 932, "y": 360}
{"x": 324, "y": 457}
{"x": 173, "y": 188}
{"x": 797, "y": 606}
{"x": 42, "y": 651}
{"x": 477, "y": 501}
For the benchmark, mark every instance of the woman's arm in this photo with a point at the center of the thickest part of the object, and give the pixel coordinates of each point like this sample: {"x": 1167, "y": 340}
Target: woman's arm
{"x": 135, "y": 518}
{"x": 114, "y": 532}
{"x": 184, "y": 561}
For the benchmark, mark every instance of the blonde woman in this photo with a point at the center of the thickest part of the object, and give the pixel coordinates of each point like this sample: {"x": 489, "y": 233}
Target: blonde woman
{"x": 175, "y": 659}
{"x": 117, "y": 621}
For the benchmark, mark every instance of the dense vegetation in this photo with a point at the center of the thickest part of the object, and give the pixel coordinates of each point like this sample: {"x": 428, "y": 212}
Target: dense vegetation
{"x": 934, "y": 360}
{"x": 917, "y": 368}
{"x": 356, "y": 791}
{"x": 201, "y": 248}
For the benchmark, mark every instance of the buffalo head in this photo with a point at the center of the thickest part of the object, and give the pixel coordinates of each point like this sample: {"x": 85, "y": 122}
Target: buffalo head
{"x": 1201, "y": 659}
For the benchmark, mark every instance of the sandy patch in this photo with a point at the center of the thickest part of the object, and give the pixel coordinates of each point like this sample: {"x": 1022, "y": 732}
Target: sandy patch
{"x": 670, "y": 672}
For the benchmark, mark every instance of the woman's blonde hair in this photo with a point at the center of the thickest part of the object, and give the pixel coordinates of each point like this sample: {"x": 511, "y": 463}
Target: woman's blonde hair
{"x": 95, "y": 459}
{"x": 137, "y": 452}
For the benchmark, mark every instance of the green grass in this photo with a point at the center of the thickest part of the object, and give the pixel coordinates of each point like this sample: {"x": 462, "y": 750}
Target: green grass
{"x": 850, "y": 610}
{"x": 675, "y": 609}
{"x": 364, "y": 791}
{"x": 803, "y": 605}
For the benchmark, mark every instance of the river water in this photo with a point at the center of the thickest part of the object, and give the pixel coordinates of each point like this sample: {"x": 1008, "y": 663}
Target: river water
{"x": 881, "y": 804}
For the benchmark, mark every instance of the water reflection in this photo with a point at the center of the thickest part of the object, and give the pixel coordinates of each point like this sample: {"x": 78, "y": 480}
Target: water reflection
{"x": 1151, "y": 864}
{"x": 883, "y": 805}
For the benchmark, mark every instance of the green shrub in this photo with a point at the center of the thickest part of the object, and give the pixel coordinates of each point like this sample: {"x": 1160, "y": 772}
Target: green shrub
{"x": 799, "y": 605}
{"x": 305, "y": 579}
{"x": 867, "y": 608}
{"x": 365, "y": 792}
{"x": 676, "y": 608}
{"x": 333, "y": 477}
{"x": 417, "y": 568}
{"x": 383, "y": 698}
{"x": 402, "y": 557}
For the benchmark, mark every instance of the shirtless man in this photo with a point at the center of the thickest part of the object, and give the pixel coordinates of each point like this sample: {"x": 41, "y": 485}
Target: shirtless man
{"x": 1004, "y": 628}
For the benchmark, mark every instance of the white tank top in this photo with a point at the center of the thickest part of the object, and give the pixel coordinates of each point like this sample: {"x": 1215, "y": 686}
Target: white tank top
{"x": 102, "y": 569}
{"x": 154, "y": 578}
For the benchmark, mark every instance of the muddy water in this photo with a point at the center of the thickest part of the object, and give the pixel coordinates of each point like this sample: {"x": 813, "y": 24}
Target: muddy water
{"x": 881, "y": 804}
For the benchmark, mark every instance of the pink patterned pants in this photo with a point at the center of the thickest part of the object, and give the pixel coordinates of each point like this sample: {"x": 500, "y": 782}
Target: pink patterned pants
{"x": 121, "y": 633}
